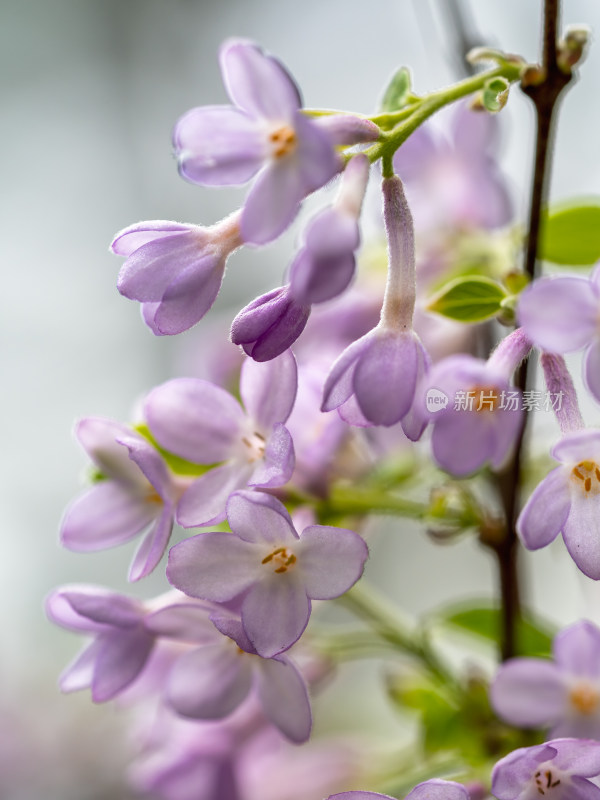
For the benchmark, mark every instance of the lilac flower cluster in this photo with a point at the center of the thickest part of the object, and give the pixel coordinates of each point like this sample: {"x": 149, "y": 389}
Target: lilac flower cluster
{"x": 220, "y": 658}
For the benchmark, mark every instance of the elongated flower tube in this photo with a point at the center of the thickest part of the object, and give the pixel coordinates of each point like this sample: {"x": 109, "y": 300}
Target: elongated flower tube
{"x": 562, "y": 393}
{"x": 475, "y": 411}
{"x": 563, "y": 693}
{"x": 373, "y": 382}
{"x": 263, "y": 132}
{"x": 175, "y": 271}
{"x": 556, "y": 770}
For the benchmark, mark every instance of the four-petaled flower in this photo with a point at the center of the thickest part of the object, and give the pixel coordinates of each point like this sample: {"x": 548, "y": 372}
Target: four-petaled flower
{"x": 568, "y": 501}
{"x": 563, "y": 693}
{"x": 264, "y": 130}
{"x": 274, "y": 571}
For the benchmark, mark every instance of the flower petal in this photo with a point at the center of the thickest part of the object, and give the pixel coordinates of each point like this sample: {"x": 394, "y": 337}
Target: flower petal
{"x": 284, "y": 698}
{"x": 579, "y": 446}
{"x": 460, "y": 443}
{"x": 272, "y": 203}
{"x": 339, "y": 384}
{"x": 579, "y": 757}
{"x": 577, "y": 650}
{"x": 512, "y": 774}
{"x": 209, "y": 682}
{"x": 529, "y": 692}
{"x": 194, "y": 419}
{"x": 591, "y": 368}
{"x": 257, "y": 381}
{"x": 79, "y": 674}
{"x": 259, "y": 517}
{"x": 331, "y": 560}
{"x": 275, "y": 612}
{"x": 104, "y": 607}
{"x": 214, "y": 566}
{"x": 188, "y": 622}
{"x": 104, "y": 516}
{"x": 385, "y": 378}
{"x": 152, "y": 546}
{"x": 277, "y": 465}
{"x": 546, "y": 511}
{"x": 150, "y": 462}
{"x": 99, "y": 437}
{"x": 581, "y": 533}
{"x": 205, "y": 500}
{"x": 437, "y": 789}
{"x": 135, "y": 236}
{"x": 559, "y": 314}
{"x": 258, "y": 83}
{"x": 218, "y": 146}
{"x": 190, "y": 295}
{"x": 120, "y": 660}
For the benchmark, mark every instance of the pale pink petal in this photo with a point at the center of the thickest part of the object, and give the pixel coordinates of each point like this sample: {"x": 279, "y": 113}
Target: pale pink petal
{"x": 275, "y": 612}
{"x": 331, "y": 560}
{"x": 259, "y": 517}
{"x": 546, "y": 511}
{"x": 284, "y": 698}
{"x": 205, "y": 500}
{"x": 265, "y": 405}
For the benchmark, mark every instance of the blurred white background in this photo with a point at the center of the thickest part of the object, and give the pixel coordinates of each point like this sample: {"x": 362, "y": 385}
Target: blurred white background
{"x": 91, "y": 90}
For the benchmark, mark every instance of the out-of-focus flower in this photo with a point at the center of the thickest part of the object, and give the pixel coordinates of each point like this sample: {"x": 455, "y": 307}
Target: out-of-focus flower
{"x": 203, "y": 423}
{"x": 557, "y": 770}
{"x": 434, "y": 789}
{"x": 561, "y": 314}
{"x": 455, "y": 182}
{"x": 563, "y": 694}
{"x": 567, "y": 501}
{"x": 137, "y": 492}
{"x": 175, "y": 271}
{"x": 265, "y": 562}
{"x": 481, "y": 414}
{"x": 264, "y": 131}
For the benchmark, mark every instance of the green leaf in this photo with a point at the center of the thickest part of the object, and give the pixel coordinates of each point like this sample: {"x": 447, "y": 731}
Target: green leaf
{"x": 533, "y": 636}
{"x": 397, "y": 92}
{"x": 472, "y": 298}
{"x": 570, "y": 233}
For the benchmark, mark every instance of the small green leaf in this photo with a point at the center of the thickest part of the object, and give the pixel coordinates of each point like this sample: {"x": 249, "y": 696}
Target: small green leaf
{"x": 397, "y": 92}
{"x": 495, "y": 94}
{"x": 570, "y": 233}
{"x": 472, "y": 298}
{"x": 179, "y": 465}
{"x": 534, "y": 637}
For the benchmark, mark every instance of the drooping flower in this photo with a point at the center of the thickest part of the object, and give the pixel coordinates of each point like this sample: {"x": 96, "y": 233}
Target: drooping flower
{"x": 211, "y": 681}
{"x": 374, "y": 380}
{"x": 203, "y": 423}
{"x": 563, "y": 694}
{"x": 434, "y": 789}
{"x": 270, "y": 324}
{"x": 558, "y": 770}
{"x": 175, "y": 271}
{"x": 274, "y": 571}
{"x": 567, "y": 501}
{"x": 561, "y": 314}
{"x": 137, "y": 493}
{"x": 475, "y": 412}
{"x": 264, "y": 132}
{"x": 121, "y": 645}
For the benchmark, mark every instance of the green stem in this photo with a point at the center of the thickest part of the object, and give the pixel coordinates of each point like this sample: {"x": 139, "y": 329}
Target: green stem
{"x": 363, "y": 602}
{"x": 423, "y": 109}
{"x": 349, "y": 500}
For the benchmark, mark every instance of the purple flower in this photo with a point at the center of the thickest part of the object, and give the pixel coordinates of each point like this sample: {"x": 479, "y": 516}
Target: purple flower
{"x": 455, "y": 182}
{"x": 264, "y": 131}
{"x": 563, "y": 694}
{"x": 209, "y": 682}
{"x": 479, "y": 418}
{"x": 557, "y": 770}
{"x": 325, "y": 265}
{"x": 374, "y": 380}
{"x": 137, "y": 493}
{"x": 270, "y": 324}
{"x": 560, "y": 314}
{"x": 121, "y": 645}
{"x": 203, "y": 423}
{"x": 174, "y": 270}
{"x": 264, "y": 562}
{"x": 434, "y": 789}
{"x": 567, "y": 501}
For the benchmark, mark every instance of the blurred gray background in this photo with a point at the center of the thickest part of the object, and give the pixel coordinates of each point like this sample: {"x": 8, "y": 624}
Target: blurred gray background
{"x": 90, "y": 92}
